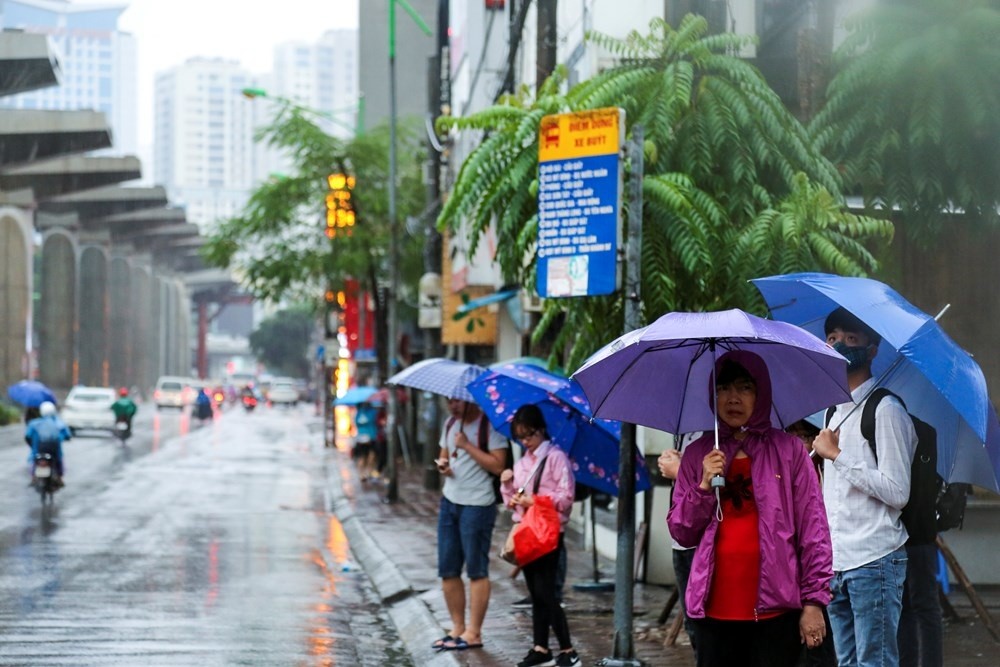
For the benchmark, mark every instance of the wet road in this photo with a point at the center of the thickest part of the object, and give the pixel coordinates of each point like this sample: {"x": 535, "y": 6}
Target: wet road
{"x": 194, "y": 545}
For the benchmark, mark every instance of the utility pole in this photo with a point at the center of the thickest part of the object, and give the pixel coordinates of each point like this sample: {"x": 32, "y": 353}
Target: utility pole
{"x": 392, "y": 423}
{"x": 546, "y": 41}
{"x": 624, "y": 648}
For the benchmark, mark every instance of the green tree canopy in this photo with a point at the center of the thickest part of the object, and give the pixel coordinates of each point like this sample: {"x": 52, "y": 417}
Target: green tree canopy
{"x": 282, "y": 341}
{"x": 277, "y": 243}
{"x": 913, "y": 111}
{"x": 733, "y": 186}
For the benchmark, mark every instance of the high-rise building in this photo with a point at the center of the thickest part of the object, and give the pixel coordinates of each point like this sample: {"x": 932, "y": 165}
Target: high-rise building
{"x": 203, "y": 138}
{"x": 98, "y": 63}
{"x": 322, "y": 76}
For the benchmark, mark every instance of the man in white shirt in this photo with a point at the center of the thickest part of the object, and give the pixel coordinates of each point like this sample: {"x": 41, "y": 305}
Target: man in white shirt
{"x": 864, "y": 498}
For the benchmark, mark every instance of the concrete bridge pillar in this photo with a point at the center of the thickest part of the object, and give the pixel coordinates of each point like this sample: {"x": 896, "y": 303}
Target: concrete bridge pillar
{"x": 16, "y": 250}
{"x": 57, "y": 309}
{"x": 121, "y": 372}
{"x": 140, "y": 314}
{"x": 94, "y": 341}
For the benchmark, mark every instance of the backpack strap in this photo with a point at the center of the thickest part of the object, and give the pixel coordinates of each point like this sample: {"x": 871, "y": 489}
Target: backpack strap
{"x": 829, "y": 416}
{"x": 447, "y": 427}
{"x": 484, "y": 433}
{"x": 868, "y": 416}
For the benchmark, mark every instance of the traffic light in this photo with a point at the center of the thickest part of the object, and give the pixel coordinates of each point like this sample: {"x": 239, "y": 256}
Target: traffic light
{"x": 339, "y": 209}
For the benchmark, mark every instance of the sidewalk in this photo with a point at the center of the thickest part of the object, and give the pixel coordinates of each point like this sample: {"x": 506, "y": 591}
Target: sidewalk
{"x": 396, "y": 545}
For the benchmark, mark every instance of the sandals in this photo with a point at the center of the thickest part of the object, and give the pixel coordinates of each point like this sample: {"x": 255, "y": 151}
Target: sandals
{"x": 439, "y": 644}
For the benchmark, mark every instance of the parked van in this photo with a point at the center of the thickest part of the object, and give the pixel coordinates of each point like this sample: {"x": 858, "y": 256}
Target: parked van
{"x": 171, "y": 391}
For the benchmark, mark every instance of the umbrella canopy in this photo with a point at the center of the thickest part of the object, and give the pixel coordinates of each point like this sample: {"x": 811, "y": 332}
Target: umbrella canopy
{"x": 356, "y": 396}
{"x": 660, "y": 375}
{"x": 30, "y": 393}
{"x": 439, "y": 376}
{"x": 916, "y": 360}
{"x": 592, "y": 444}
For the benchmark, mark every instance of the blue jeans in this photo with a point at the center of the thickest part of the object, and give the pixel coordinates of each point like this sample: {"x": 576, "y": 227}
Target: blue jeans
{"x": 920, "y": 623}
{"x": 864, "y": 612}
{"x": 464, "y": 536}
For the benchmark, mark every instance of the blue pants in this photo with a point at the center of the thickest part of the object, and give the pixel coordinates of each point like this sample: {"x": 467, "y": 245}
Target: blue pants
{"x": 864, "y": 612}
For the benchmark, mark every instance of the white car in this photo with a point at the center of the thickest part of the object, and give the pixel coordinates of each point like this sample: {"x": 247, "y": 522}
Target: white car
{"x": 89, "y": 408}
{"x": 172, "y": 392}
{"x": 283, "y": 392}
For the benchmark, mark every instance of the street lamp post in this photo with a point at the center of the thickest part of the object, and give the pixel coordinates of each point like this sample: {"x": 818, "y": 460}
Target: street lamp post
{"x": 392, "y": 425}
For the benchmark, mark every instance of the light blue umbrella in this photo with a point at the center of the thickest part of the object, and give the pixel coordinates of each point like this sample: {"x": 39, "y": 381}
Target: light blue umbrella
{"x": 439, "y": 376}
{"x": 355, "y": 396}
{"x": 938, "y": 380}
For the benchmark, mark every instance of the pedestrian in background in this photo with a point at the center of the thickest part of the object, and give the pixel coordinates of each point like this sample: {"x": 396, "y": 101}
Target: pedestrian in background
{"x": 466, "y": 518}
{"x": 544, "y": 470}
{"x": 669, "y": 463}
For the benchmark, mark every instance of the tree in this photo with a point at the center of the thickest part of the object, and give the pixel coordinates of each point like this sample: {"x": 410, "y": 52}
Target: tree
{"x": 733, "y": 186}
{"x": 282, "y": 341}
{"x": 913, "y": 112}
{"x": 277, "y": 243}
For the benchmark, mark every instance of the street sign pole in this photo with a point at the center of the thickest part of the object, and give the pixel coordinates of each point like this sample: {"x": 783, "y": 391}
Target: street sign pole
{"x": 624, "y": 648}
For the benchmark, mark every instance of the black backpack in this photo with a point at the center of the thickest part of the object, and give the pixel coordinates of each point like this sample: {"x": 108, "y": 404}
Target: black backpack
{"x": 484, "y": 444}
{"x": 933, "y": 505}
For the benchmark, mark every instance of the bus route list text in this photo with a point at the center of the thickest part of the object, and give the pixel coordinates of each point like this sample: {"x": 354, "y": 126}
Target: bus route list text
{"x": 565, "y": 205}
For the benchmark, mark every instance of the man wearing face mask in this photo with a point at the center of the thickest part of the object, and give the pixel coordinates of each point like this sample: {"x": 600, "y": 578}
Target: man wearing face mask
{"x": 864, "y": 498}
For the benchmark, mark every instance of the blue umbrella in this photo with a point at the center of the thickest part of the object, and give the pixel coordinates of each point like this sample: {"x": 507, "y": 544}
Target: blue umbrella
{"x": 355, "y": 396}
{"x": 592, "y": 444}
{"x": 30, "y": 393}
{"x": 937, "y": 379}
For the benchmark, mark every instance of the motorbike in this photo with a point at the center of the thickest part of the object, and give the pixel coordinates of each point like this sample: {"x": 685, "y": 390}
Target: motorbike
{"x": 45, "y": 480}
{"x": 122, "y": 431}
{"x": 249, "y": 403}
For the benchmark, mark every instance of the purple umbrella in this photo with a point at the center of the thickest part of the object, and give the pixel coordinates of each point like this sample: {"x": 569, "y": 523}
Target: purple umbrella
{"x": 660, "y": 375}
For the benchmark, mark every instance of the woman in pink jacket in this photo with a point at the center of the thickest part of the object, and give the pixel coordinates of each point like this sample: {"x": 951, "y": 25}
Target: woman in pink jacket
{"x": 761, "y": 572}
{"x": 543, "y": 470}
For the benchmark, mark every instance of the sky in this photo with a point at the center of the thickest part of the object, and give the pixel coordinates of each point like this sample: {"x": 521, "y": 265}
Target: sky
{"x": 168, "y": 32}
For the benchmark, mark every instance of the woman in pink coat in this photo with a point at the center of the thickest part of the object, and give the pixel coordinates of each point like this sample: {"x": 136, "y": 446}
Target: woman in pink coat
{"x": 761, "y": 572}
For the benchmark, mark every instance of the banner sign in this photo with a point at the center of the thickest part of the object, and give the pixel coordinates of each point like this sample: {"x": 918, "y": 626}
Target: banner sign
{"x": 579, "y": 203}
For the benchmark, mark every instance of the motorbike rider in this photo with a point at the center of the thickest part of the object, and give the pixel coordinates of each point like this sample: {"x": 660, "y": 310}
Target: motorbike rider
{"x": 124, "y": 409}
{"x": 47, "y": 433}
{"x": 203, "y": 405}
{"x": 248, "y": 396}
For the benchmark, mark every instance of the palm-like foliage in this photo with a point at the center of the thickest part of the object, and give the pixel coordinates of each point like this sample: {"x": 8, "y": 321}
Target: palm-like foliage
{"x": 733, "y": 186}
{"x": 913, "y": 112}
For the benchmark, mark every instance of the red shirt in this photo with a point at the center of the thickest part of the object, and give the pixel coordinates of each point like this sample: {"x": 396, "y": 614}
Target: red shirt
{"x": 736, "y": 577}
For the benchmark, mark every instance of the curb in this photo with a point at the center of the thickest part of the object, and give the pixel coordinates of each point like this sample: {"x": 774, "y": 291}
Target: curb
{"x": 413, "y": 619}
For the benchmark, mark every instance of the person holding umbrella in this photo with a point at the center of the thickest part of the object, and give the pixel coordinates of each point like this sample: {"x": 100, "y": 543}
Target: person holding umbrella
{"x": 761, "y": 572}
{"x": 864, "y": 502}
{"x": 543, "y": 470}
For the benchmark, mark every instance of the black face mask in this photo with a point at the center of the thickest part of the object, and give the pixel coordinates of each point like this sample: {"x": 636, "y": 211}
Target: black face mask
{"x": 856, "y": 355}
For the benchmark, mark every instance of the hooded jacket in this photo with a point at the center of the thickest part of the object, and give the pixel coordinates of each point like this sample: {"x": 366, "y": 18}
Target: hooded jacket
{"x": 796, "y": 557}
